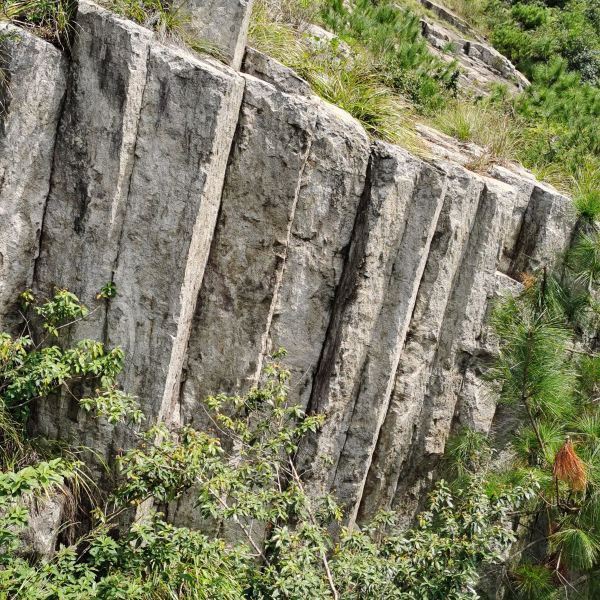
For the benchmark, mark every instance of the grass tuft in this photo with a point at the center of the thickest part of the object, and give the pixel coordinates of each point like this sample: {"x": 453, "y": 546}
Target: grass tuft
{"x": 51, "y": 19}
{"x": 354, "y": 83}
{"x": 483, "y": 124}
{"x": 162, "y": 16}
{"x": 587, "y": 191}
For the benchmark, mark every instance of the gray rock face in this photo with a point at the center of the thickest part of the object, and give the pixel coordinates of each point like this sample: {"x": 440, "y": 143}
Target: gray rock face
{"x": 239, "y": 213}
{"x": 184, "y": 134}
{"x": 45, "y": 516}
{"x": 329, "y": 196}
{"x": 407, "y": 404}
{"x": 32, "y": 85}
{"x": 293, "y": 182}
{"x": 258, "y": 206}
{"x": 135, "y": 192}
{"x": 268, "y": 69}
{"x": 374, "y": 302}
{"x": 545, "y": 230}
{"x": 93, "y": 157}
{"x": 223, "y": 23}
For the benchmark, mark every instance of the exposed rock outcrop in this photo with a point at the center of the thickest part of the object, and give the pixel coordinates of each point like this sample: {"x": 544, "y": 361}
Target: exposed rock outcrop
{"x": 134, "y": 195}
{"x": 237, "y": 213}
{"x": 32, "y": 86}
{"x": 481, "y": 66}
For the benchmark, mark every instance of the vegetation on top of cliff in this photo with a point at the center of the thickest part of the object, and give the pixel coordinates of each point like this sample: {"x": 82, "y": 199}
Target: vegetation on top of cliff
{"x": 555, "y": 120}
{"x": 551, "y": 127}
{"x": 378, "y": 67}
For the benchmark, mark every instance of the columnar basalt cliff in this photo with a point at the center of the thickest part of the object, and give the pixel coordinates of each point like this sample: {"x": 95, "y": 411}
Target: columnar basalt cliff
{"x": 236, "y": 213}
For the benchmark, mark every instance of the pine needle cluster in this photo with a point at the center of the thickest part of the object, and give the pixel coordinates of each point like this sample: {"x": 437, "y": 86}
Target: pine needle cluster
{"x": 548, "y": 369}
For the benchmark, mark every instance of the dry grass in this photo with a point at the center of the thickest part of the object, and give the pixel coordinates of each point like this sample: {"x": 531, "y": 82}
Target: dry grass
{"x": 472, "y": 11}
{"x": 568, "y": 467}
{"x": 489, "y": 127}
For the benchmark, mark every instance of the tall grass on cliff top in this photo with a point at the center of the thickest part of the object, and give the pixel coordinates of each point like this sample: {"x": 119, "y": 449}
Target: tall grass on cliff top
{"x": 551, "y": 128}
{"x": 557, "y": 45}
{"x": 347, "y": 70}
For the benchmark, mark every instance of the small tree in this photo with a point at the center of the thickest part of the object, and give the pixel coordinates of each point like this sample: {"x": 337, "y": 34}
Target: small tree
{"x": 548, "y": 369}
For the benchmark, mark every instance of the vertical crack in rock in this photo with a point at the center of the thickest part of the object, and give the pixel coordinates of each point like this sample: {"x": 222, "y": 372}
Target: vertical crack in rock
{"x": 523, "y": 184}
{"x": 343, "y": 296}
{"x": 331, "y": 188}
{"x": 408, "y": 253}
{"x": 186, "y": 126}
{"x": 119, "y": 239}
{"x": 545, "y": 231}
{"x": 373, "y": 307}
{"x": 259, "y": 202}
{"x": 32, "y": 97}
{"x": 93, "y": 159}
{"x": 235, "y": 305}
{"x": 265, "y": 338}
{"x": 397, "y": 434}
{"x": 464, "y": 316}
{"x": 461, "y": 334}
{"x": 139, "y": 171}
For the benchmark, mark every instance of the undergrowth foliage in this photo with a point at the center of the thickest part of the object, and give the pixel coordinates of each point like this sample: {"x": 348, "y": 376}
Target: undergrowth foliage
{"x": 268, "y": 538}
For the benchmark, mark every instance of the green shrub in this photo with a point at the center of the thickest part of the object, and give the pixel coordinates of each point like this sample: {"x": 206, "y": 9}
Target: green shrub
{"x": 554, "y": 390}
{"x": 244, "y": 481}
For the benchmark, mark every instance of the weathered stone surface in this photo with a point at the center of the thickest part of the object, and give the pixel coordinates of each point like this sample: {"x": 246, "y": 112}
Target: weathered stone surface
{"x": 402, "y": 422}
{"x": 268, "y": 69}
{"x": 374, "y": 302}
{"x": 46, "y": 514}
{"x": 545, "y": 232}
{"x": 293, "y": 184}
{"x": 134, "y": 198}
{"x": 465, "y": 312}
{"x": 477, "y": 400}
{"x": 32, "y": 85}
{"x": 379, "y": 284}
{"x": 90, "y": 180}
{"x": 524, "y": 183}
{"x": 480, "y": 65}
{"x": 223, "y": 23}
{"x": 185, "y": 130}
{"x": 93, "y": 158}
{"x": 243, "y": 276}
{"x": 329, "y": 195}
